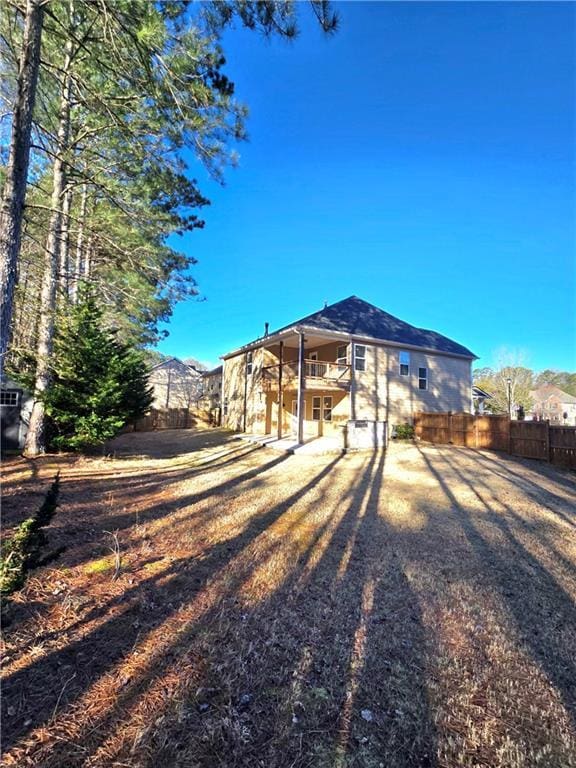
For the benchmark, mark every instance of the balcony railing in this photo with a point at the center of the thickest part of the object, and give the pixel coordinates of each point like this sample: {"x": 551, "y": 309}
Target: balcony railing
{"x": 317, "y": 373}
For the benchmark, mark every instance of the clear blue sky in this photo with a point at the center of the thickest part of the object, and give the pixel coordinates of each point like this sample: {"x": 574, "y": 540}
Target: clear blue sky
{"x": 423, "y": 159}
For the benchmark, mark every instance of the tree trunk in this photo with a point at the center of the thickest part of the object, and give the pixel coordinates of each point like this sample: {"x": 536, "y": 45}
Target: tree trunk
{"x": 78, "y": 264}
{"x": 14, "y": 193}
{"x": 88, "y": 258}
{"x": 64, "y": 265}
{"x": 35, "y": 439}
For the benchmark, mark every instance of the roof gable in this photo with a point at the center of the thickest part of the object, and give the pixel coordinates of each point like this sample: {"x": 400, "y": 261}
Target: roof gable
{"x": 176, "y": 364}
{"x": 547, "y": 391}
{"x": 359, "y": 318}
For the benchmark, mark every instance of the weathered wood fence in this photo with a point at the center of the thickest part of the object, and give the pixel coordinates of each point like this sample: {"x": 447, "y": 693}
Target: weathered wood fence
{"x": 529, "y": 439}
{"x": 171, "y": 418}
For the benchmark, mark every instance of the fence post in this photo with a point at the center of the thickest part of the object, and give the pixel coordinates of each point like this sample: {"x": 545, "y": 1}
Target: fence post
{"x": 509, "y": 435}
{"x": 475, "y": 431}
{"x": 450, "y": 427}
{"x": 548, "y": 446}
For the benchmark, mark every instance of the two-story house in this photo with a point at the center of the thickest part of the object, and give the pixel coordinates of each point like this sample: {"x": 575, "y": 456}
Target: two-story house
{"x": 175, "y": 384}
{"x": 351, "y": 365}
{"x": 554, "y": 405}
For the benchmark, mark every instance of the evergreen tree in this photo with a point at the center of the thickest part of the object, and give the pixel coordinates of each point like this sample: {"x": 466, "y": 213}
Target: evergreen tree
{"x": 99, "y": 384}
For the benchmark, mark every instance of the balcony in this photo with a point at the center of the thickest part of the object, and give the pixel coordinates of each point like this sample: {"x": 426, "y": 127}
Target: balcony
{"x": 318, "y": 374}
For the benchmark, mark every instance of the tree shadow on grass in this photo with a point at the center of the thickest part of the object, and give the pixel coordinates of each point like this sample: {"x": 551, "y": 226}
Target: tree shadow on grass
{"x": 153, "y": 445}
{"x": 36, "y": 690}
{"x": 340, "y": 634}
{"x": 539, "y": 606}
{"x": 529, "y": 487}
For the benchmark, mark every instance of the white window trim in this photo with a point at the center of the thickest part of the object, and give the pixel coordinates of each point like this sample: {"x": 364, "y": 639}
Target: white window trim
{"x": 423, "y": 378}
{"x": 358, "y": 357}
{"x": 402, "y": 364}
{"x": 11, "y": 395}
{"x": 327, "y": 408}
{"x": 317, "y": 399}
{"x": 249, "y": 363}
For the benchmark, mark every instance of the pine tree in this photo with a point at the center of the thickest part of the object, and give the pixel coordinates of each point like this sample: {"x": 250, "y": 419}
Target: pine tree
{"x": 98, "y": 385}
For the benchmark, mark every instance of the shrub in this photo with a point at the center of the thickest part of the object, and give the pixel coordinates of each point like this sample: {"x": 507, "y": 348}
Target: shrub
{"x": 405, "y": 431}
{"x": 98, "y": 383}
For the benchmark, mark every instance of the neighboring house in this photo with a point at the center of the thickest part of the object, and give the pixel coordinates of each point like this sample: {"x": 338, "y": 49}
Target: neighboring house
{"x": 175, "y": 384}
{"x": 553, "y": 405}
{"x": 211, "y": 399}
{"x": 15, "y": 409}
{"x": 479, "y": 397}
{"x": 350, "y": 365}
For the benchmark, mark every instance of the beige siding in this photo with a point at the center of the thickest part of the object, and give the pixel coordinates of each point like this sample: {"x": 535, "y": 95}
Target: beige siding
{"x": 242, "y": 394}
{"x": 379, "y": 393}
{"x": 174, "y": 385}
{"x": 382, "y": 394}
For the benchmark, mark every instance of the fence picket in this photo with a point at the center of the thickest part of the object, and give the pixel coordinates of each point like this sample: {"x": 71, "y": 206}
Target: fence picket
{"x": 529, "y": 439}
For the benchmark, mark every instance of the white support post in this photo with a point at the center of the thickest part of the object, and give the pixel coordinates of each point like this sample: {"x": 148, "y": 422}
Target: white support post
{"x": 301, "y": 384}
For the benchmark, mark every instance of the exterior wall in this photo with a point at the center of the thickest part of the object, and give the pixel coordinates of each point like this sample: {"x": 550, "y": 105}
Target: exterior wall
{"x": 175, "y": 385}
{"x": 211, "y": 386}
{"x": 377, "y": 394}
{"x": 243, "y": 402}
{"x": 14, "y": 420}
{"x": 380, "y": 393}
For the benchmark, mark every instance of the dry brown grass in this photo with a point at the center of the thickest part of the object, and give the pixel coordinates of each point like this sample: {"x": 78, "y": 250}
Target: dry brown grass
{"x": 399, "y": 610}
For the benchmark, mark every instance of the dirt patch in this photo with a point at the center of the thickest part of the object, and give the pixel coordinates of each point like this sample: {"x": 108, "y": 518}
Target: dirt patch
{"x": 408, "y": 609}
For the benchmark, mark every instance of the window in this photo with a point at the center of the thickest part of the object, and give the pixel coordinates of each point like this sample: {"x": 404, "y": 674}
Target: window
{"x": 422, "y": 378}
{"x": 359, "y": 357}
{"x": 322, "y": 408}
{"x": 248, "y": 363}
{"x": 316, "y": 405}
{"x": 9, "y": 397}
{"x": 342, "y": 356}
{"x": 404, "y": 363}
{"x": 225, "y": 408}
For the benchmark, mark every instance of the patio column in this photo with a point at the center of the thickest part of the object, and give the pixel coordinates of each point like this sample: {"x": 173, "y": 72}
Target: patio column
{"x": 301, "y": 382}
{"x": 280, "y": 393}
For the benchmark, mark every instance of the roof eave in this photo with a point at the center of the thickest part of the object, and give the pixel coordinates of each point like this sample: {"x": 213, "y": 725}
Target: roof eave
{"x": 343, "y": 335}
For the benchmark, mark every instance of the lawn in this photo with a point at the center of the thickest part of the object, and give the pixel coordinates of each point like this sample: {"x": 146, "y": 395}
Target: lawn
{"x": 395, "y": 610}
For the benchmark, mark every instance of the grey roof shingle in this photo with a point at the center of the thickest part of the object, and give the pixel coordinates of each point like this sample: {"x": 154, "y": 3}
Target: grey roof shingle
{"x": 359, "y": 318}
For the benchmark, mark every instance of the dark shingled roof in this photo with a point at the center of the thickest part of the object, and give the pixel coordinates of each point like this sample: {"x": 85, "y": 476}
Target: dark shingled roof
{"x": 359, "y": 318}
{"x": 213, "y": 372}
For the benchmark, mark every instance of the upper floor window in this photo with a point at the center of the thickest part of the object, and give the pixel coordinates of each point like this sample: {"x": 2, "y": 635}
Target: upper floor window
{"x": 359, "y": 357}
{"x": 248, "y": 363}
{"x": 422, "y": 378}
{"x": 404, "y": 363}
{"x": 342, "y": 354}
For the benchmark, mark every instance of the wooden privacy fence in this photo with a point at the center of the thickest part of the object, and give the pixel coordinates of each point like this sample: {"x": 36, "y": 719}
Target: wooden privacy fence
{"x": 529, "y": 439}
{"x": 172, "y": 418}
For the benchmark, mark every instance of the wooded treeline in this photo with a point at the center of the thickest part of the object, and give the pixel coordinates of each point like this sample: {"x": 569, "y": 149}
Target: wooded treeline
{"x": 517, "y": 382}
{"x": 105, "y": 99}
